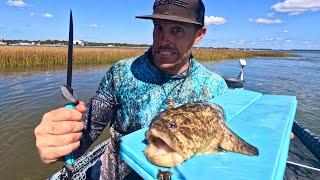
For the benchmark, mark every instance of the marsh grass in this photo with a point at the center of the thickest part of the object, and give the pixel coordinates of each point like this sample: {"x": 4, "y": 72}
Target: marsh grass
{"x": 213, "y": 54}
{"x": 24, "y": 57}
{"x": 16, "y": 58}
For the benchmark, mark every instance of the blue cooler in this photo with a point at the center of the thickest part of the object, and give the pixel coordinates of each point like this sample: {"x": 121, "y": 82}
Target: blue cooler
{"x": 265, "y": 121}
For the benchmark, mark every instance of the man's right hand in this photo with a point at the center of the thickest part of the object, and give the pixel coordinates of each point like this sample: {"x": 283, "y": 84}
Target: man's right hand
{"x": 59, "y": 133}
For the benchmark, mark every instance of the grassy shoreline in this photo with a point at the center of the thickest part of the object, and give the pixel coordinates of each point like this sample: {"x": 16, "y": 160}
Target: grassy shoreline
{"x": 13, "y": 58}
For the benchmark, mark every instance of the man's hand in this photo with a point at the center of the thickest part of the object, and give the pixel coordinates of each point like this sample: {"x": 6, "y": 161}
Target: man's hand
{"x": 59, "y": 133}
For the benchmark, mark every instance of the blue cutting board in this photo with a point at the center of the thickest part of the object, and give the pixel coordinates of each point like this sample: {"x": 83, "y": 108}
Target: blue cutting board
{"x": 264, "y": 121}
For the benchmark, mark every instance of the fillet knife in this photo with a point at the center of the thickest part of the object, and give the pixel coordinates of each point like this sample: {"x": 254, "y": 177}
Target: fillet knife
{"x": 66, "y": 90}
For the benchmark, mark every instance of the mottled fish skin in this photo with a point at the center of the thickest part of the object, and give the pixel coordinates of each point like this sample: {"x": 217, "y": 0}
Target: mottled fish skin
{"x": 191, "y": 129}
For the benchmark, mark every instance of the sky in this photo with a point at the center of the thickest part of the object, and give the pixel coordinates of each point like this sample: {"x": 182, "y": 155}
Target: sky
{"x": 273, "y": 24}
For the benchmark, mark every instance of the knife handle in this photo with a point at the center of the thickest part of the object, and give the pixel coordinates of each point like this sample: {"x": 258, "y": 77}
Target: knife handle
{"x": 70, "y": 106}
{"x": 69, "y": 159}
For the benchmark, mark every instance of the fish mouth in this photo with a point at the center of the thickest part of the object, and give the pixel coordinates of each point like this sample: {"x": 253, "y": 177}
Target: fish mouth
{"x": 161, "y": 145}
{"x": 161, "y": 153}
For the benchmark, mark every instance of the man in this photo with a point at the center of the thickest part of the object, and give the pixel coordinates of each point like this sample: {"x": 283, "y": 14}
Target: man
{"x": 133, "y": 91}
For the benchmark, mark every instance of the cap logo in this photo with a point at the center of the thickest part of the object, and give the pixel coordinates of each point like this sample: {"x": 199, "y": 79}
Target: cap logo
{"x": 181, "y": 3}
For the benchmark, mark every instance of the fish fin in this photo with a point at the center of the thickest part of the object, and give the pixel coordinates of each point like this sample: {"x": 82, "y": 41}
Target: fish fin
{"x": 232, "y": 142}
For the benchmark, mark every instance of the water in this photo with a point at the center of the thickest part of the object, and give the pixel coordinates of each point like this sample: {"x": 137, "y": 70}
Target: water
{"x": 24, "y": 97}
{"x": 298, "y": 76}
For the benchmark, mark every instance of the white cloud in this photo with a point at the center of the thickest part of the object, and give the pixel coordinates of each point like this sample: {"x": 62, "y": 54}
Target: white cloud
{"x": 307, "y": 42}
{"x": 269, "y": 39}
{"x": 47, "y": 15}
{"x": 275, "y": 40}
{"x": 208, "y": 20}
{"x": 294, "y": 7}
{"x": 16, "y": 3}
{"x": 270, "y": 14}
{"x": 288, "y": 40}
{"x": 31, "y": 14}
{"x": 239, "y": 42}
{"x": 96, "y": 25}
{"x": 251, "y": 20}
{"x": 294, "y": 13}
{"x": 285, "y": 31}
{"x": 265, "y": 21}
{"x": 93, "y": 25}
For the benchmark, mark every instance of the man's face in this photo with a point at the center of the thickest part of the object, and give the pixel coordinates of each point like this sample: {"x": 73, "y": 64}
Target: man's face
{"x": 172, "y": 44}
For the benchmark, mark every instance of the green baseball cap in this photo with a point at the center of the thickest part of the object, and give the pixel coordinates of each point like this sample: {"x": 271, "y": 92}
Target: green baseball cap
{"x": 189, "y": 11}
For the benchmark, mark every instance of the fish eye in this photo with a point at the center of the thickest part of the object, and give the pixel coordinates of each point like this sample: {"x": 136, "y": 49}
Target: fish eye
{"x": 172, "y": 125}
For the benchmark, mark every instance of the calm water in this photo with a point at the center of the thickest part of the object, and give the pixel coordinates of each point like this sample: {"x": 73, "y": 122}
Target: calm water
{"x": 24, "y": 97}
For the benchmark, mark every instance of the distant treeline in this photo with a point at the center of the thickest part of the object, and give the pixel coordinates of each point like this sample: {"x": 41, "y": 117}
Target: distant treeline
{"x": 115, "y": 44}
{"x": 62, "y": 42}
{"x": 54, "y": 42}
{"x": 106, "y": 44}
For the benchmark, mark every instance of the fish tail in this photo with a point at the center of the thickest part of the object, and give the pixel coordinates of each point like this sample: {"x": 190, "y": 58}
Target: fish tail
{"x": 232, "y": 142}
